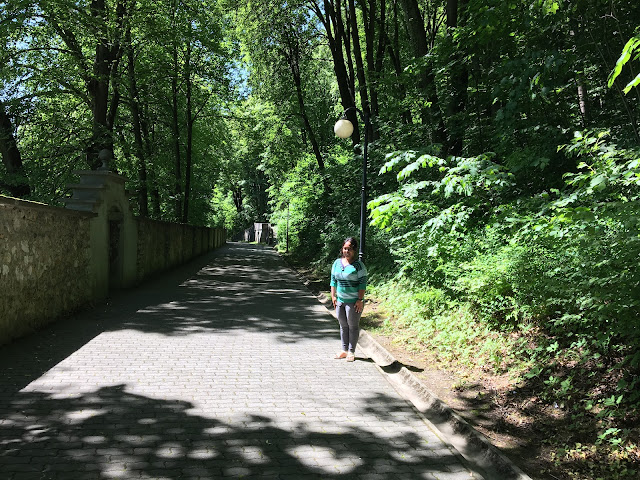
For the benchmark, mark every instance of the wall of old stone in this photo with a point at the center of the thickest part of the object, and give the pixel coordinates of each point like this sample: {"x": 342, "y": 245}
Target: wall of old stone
{"x": 48, "y": 260}
{"x": 163, "y": 245}
{"x": 44, "y": 264}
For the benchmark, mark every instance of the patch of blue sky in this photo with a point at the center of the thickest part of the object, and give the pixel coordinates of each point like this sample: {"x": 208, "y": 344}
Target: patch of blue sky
{"x": 239, "y": 75}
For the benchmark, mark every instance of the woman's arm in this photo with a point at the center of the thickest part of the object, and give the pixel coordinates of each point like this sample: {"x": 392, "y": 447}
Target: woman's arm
{"x": 360, "y": 301}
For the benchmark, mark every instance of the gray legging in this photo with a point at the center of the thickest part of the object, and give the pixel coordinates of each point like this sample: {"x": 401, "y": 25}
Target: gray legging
{"x": 349, "y": 325}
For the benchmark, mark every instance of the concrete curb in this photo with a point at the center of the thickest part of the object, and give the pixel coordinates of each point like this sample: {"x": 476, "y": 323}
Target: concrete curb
{"x": 474, "y": 447}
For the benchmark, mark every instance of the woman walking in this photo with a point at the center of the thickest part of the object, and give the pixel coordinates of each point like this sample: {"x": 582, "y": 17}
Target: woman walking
{"x": 348, "y": 285}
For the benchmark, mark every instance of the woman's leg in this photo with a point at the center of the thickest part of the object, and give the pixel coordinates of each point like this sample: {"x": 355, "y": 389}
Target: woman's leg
{"x": 353, "y": 326}
{"x": 344, "y": 325}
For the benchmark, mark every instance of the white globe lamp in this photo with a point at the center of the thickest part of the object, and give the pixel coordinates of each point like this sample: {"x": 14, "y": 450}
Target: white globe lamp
{"x": 343, "y": 128}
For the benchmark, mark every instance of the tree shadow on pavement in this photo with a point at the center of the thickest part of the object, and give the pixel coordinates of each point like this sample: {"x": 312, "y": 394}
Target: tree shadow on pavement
{"x": 246, "y": 287}
{"x": 111, "y": 433}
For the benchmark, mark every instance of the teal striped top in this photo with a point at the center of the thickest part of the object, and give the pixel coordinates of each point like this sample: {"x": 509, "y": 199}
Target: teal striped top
{"x": 348, "y": 280}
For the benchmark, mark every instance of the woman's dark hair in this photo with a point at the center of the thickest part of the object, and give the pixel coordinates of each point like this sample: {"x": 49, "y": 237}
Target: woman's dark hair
{"x": 352, "y": 241}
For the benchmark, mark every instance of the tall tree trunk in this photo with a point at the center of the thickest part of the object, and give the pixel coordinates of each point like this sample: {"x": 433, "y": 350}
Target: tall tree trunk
{"x": 143, "y": 200}
{"x": 376, "y": 60}
{"x": 343, "y": 29}
{"x": 459, "y": 81}
{"x": 291, "y": 53}
{"x": 190, "y": 122}
{"x": 236, "y": 194}
{"x": 374, "y": 54}
{"x": 11, "y": 158}
{"x": 426, "y": 81}
{"x": 105, "y": 70}
{"x": 393, "y": 49}
{"x": 357, "y": 53}
{"x": 295, "y": 72}
{"x": 103, "y": 74}
{"x": 99, "y": 87}
{"x": 176, "y": 137}
{"x": 307, "y": 126}
{"x": 114, "y": 102}
{"x": 330, "y": 23}
{"x": 583, "y": 102}
{"x": 148, "y": 135}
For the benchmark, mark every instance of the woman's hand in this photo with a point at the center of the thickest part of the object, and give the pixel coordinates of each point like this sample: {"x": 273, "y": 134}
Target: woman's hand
{"x": 334, "y": 301}
{"x": 359, "y": 306}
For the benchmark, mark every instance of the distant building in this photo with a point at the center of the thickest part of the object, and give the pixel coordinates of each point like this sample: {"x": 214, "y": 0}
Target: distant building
{"x": 261, "y": 233}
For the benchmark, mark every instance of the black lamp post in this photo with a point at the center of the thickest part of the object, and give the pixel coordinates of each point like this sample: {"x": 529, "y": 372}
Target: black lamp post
{"x": 343, "y": 129}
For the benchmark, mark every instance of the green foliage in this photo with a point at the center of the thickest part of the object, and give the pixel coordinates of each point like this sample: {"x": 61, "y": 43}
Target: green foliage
{"x": 473, "y": 180}
{"x": 631, "y": 51}
{"x": 49, "y": 81}
{"x": 301, "y": 203}
{"x": 433, "y": 302}
{"x": 223, "y": 212}
{"x": 433, "y": 321}
{"x": 491, "y": 283}
{"x": 561, "y": 263}
{"x": 569, "y": 264}
{"x": 438, "y": 201}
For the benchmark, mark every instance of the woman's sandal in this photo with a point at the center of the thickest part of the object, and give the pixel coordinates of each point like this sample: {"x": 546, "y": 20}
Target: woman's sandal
{"x": 351, "y": 357}
{"x": 340, "y": 355}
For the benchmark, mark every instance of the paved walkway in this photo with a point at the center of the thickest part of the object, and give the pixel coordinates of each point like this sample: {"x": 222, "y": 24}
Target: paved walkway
{"x": 222, "y": 368}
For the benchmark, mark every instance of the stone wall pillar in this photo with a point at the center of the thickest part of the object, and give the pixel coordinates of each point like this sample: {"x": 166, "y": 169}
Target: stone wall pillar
{"x": 113, "y": 230}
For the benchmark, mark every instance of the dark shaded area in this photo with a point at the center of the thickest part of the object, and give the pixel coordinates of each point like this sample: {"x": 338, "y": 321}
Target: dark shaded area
{"x": 396, "y": 366}
{"x": 114, "y": 434}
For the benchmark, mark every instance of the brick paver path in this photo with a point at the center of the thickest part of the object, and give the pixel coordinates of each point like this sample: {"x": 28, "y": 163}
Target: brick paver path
{"x": 222, "y": 368}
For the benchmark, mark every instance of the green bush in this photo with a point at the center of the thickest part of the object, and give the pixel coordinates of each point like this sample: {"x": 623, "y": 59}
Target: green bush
{"x": 433, "y": 301}
{"x": 487, "y": 282}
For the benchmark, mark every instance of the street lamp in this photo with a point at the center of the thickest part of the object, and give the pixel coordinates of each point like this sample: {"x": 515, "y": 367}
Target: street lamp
{"x": 344, "y": 129}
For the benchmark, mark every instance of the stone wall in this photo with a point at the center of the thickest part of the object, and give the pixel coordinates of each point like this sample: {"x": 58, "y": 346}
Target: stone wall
{"x": 44, "y": 264}
{"x": 163, "y": 245}
{"x": 48, "y": 259}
